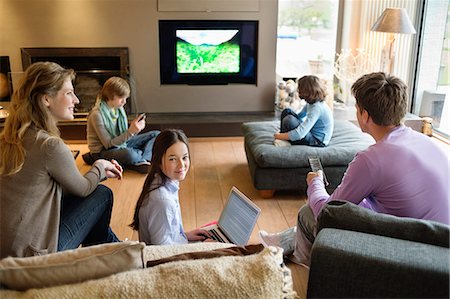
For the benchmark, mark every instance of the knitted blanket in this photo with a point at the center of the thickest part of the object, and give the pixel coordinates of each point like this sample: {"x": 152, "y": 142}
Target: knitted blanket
{"x": 261, "y": 275}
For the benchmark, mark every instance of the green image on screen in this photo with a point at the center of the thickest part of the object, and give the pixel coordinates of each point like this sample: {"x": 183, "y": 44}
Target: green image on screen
{"x": 207, "y": 51}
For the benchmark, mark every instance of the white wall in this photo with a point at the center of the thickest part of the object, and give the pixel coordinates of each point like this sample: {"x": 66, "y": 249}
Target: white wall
{"x": 133, "y": 24}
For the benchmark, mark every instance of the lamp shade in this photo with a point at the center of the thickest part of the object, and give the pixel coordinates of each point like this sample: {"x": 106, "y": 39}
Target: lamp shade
{"x": 394, "y": 20}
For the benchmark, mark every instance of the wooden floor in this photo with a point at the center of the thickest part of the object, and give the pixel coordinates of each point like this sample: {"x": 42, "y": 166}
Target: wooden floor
{"x": 217, "y": 164}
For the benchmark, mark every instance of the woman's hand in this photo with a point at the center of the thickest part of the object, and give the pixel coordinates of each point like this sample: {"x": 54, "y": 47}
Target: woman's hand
{"x": 112, "y": 168}
{"x": 198, "y": 234}
{"x": 137, "y": 125}
{"x": 311, "y": 175}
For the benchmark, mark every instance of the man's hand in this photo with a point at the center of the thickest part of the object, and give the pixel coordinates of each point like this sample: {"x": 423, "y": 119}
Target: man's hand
{"x": 311, "y": 175}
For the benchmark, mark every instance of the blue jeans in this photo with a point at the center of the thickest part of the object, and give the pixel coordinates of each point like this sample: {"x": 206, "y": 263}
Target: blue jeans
{"x": 86, "y": 220}
{"x": 139, "y": 149}
{"x": 289, "y": 121}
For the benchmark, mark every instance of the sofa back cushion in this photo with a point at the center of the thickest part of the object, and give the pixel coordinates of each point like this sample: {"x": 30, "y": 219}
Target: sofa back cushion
{"x": 349, "y": 264}
{"x": 71, "y": 266}
{"x": 348, "y": 216}
{"x": 261, "y": 275}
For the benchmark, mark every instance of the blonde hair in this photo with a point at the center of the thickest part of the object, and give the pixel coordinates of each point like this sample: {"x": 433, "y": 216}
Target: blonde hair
{"x": 28, "y": 110}
{"x": 114, "y": 86}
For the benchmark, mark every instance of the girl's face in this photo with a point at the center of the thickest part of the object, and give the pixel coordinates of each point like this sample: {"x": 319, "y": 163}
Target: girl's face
{"x": 175, "y": 162}
{"x": 62, "y": 105}
{"x": 117, "y": 101}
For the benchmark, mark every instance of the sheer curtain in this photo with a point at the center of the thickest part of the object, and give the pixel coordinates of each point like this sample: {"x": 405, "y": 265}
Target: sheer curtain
{"x": 373, "y": 42}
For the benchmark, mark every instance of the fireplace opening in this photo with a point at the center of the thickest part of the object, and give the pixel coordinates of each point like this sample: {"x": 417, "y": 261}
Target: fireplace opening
{"x": 93, "y": 67}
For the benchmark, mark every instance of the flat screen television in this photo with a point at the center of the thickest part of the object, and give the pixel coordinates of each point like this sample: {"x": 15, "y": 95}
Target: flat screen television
{"x": 208, "y": 52}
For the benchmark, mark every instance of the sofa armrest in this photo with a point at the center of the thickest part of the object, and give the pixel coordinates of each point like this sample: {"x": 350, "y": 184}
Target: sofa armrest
{"x": 348, "y": 264}
{"x": 348, "y": 216}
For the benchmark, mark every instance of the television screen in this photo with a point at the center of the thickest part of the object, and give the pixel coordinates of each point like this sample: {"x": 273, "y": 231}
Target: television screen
{"x": 208, "y": 52}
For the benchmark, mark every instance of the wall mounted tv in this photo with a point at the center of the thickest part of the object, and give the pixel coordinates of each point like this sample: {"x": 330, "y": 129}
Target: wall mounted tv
{"x": 208, "y": 52}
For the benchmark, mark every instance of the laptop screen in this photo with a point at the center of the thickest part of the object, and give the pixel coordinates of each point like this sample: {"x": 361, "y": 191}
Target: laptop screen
{"x": 239, "y": 217}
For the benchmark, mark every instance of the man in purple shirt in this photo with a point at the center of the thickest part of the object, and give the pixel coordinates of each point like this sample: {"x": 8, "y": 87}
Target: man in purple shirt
{"x": 403, "y": 174}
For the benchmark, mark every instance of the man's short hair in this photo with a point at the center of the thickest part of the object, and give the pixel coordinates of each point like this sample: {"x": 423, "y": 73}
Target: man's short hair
{"x": 384, "y": 97}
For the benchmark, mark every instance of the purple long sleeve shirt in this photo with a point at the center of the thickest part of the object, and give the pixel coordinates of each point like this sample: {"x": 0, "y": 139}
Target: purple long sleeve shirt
{"x": 404, "y": 174}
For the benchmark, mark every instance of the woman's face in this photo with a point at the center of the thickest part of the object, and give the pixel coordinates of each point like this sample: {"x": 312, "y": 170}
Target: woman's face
{"x": 117, "y": 101}
{"x": 175, "y": 162}
{"x": 62, "y": 105}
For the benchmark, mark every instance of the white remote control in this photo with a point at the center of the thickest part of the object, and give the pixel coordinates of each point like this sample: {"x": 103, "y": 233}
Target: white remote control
{"x": 314, "y": 163}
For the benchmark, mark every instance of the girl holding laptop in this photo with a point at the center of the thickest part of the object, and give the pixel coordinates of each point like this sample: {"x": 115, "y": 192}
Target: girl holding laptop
{"x": 157, "y": 216}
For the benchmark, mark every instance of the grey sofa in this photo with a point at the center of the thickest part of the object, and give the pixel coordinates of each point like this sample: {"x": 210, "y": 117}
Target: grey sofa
{"x": 285, "y": 168}
{"x": 361, "y": 254}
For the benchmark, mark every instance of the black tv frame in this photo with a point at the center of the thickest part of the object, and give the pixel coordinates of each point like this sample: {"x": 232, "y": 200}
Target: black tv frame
{"x": 248, "y": 31}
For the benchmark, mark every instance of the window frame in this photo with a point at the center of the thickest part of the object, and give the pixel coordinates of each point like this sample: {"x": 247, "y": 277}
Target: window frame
{"x": 416, "y": 63}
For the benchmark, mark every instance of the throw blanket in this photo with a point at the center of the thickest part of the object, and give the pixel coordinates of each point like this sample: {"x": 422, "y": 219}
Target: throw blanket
{"x": 108, "y": 119}
{"x": 209, "y": 254}
{"x": 261, "y": 275}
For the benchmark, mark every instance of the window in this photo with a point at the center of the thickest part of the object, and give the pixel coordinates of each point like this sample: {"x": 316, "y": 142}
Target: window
{"x": 306, "y": 38}
{"x": 431, "y": 96}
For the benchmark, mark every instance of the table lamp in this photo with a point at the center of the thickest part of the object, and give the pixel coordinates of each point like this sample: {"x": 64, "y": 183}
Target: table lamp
{"x": 392, "y": 21}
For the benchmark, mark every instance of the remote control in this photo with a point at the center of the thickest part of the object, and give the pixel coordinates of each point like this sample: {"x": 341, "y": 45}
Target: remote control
{"x": 314, "y": 163}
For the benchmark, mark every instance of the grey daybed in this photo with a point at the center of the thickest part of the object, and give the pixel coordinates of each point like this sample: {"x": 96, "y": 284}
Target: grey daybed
{"x": 285, "y": 168}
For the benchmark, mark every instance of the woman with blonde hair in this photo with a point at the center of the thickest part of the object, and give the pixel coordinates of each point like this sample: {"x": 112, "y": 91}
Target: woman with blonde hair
{"x": 109, "y": 135}
{"x": 46, "y": 204}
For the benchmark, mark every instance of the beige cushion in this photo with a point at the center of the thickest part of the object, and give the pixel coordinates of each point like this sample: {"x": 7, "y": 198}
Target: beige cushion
{"x": 71, "y": 266}
{"x": 253, "y": 276}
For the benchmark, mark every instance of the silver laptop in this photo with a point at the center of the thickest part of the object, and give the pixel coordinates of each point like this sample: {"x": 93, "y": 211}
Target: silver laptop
{"x": 236, "y": 221}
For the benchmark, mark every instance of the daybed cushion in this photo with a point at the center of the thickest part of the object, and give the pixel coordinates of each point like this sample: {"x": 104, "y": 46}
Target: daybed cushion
{"x": 71, "y": 266}
{"x": 253, "y": 276}
{"x": 347, "y": 140}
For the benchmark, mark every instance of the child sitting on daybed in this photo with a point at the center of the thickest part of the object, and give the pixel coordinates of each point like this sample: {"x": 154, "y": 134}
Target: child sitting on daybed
{"x": 313, "y": 125}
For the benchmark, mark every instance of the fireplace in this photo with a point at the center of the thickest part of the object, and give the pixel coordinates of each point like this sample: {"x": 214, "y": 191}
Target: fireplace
{"x": 92, "y": 65}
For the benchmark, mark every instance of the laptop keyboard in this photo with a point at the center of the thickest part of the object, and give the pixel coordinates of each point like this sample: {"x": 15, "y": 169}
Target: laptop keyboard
{"x": 216, "y": 236}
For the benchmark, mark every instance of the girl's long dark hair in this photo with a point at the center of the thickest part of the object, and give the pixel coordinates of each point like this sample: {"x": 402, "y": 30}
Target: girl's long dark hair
{"x": 163, "y": 141}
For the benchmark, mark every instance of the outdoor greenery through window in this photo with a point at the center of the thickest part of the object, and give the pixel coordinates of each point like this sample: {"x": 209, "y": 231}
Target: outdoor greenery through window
{"x": 306, "y": 37}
